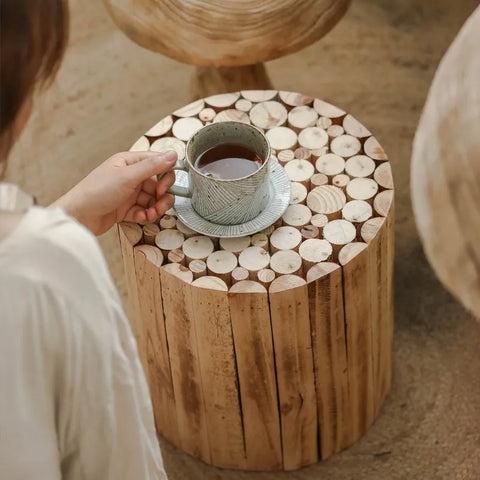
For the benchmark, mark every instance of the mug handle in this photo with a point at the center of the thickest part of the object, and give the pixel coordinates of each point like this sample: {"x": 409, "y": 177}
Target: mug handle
{"x": 178, "y": 190}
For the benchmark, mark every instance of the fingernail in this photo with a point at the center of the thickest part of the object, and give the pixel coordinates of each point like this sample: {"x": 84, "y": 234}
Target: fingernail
{"x": 169, "y": 156}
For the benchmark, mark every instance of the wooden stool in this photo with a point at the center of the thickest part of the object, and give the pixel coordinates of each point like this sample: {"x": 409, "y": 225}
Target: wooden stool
{"x": 229, "y": 40}
{"x": 272, "y": 351}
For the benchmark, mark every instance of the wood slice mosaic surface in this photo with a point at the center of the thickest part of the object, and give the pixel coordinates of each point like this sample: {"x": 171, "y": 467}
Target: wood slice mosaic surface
{"x": 271, "y": 351}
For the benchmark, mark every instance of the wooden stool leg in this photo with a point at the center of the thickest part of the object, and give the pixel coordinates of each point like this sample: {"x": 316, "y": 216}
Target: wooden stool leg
{"x": 211, "y": 80}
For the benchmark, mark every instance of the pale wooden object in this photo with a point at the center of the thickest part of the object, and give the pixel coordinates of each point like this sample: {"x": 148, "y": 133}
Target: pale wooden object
{"x": 210, "y": 282}
{"x": 310, "y": 231}
{"x": 298, "y": 193}
{"x": 341, "y": 181}
{"x": 239, "y": 274}
{"x": 262, "y": 32}
{"x": 187, "y": 231}
{"x": 281, "y": 138}
{"x": 266, "y": 276}
{"x": 383, "y": 175}
{"x": 297, "y": 215}
{"x": 150, "y": 231}
{"x": 345, "y": 316}
{"x": 303, "y": 153}
{"x": 324, "y": 122}
{"x": 179, "y": 271}
{"x": 374, "y": 150}
{"x": 313, "y": 138}
{"x": 302, "y": 117}
{"x": 292, "y": 338}
{"x": 218, "y": 372}
{"x": 320, "y": 270}
{"x": 286, "y": 262}
{"x": 221, "y": 264}
{"x": 169, "y": 239}
{"x": 334, "y": 131}
{"x": 141, "y": 145}
{"x": 154, "y": 347}
{"x": 285, "y": 156}
{"x": 361, "y": 166}
{"x": 319, "y": 220}
{"x": 260, "y": 240}
{"x": 362, "y": 188}
{"x": 198, "y": 268}
{"x": 318, "y": 179}
{"x": 254, "y": 259}
{"x": 357, "y": 211}
{"x": 339, "y": 233}
{"x": 250, "y": 317}
{"x": 197, "y": 248}
{"x": 232, "y": 115}
{"x": 207, "y": 114}
{"x": 330, "y": 164}
{"x": 326, "y": 109}
{"x": 314, "y": 250}
{"x": 268, "y": 114}
{"x": 445, "y": 174}
{"x": 371, "y": 227}
{"x": 183, "y": 352}
{"x": 190, "y": 110}
{"x": 167, "y": 221}
{"x": 383, "y": 202}
{"x": 353, "y": 127}
{"x": 345, "y": 146}
{"x": 176, "y": 256}
{"x": 330, "y": 357}
{"x": 326, "y": 199}
{"x": 285, "y": 238}
{"x": 243, "y": 105}
{"x": 235, "y": 245}
{"x": 299, "y": 170}
{"x": 161, "y": 128}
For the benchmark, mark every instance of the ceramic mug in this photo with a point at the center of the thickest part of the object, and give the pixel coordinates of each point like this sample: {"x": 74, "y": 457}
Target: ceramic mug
{"x": 226, "y": 201}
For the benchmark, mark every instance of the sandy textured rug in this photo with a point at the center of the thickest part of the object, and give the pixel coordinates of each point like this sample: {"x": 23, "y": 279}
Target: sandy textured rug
{"x": 377, "y": 64}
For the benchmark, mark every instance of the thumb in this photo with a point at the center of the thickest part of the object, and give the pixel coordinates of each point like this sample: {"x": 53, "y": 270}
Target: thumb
{"x": 144, "y": 167}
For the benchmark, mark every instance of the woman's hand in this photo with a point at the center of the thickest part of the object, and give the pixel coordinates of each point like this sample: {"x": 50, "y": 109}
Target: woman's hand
{"x": 124, "y": 187}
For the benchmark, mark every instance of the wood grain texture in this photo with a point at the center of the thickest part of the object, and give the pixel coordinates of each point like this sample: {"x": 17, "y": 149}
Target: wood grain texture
{"x": 179, "y": 311}
{"x": 251, "y": 32}
{"x": 445, "y": 175}
{"x": 359, "y": 314}
{"x": 154, "y": 351}
{"x": 330, "y": 359}
{"x": 289, "y": 312}
{"x": 252, "y": 333}
{"x": 217, "y": 367}
{"x": 130, "y": 234}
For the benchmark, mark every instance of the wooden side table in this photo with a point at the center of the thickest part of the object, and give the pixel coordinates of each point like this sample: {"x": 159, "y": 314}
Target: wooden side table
{"x": 271, "y": 351}
{"x": 228, "y": 41}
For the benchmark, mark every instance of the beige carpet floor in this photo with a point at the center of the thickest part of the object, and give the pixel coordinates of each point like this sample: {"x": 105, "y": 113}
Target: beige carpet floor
{"x": 377, "y": 64}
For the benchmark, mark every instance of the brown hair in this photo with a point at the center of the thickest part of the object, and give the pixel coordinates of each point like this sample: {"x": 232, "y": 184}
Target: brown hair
{"x": 33, "y": 37}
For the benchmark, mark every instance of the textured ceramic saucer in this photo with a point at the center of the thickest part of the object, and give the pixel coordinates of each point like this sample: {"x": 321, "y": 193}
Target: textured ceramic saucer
{"x": 279, "y": 200}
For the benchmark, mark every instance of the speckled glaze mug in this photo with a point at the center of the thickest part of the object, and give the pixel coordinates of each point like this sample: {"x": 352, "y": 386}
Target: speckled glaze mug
{"x": 225, "y": 201}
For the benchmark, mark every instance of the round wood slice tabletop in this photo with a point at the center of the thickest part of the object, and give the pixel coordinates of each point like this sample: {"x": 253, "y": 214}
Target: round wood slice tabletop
{"x": 339, "y": 172}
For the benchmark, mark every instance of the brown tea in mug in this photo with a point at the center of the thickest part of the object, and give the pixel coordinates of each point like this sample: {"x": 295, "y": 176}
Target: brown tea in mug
{"x": 228, "y": 161}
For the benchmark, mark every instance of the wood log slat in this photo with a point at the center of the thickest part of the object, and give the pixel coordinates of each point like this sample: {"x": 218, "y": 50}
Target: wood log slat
{"x": 154, "y": 351}
{"x": 217, "y": 368}
{"x": 179, "y": 311}
{"x": 252, "y": 333}
{"x": 295, "y": 377}
{"x": 330, "y": 359}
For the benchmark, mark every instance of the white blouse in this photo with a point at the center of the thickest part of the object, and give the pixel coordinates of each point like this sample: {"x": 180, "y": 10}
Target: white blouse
{"x": 74, "y": 403}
